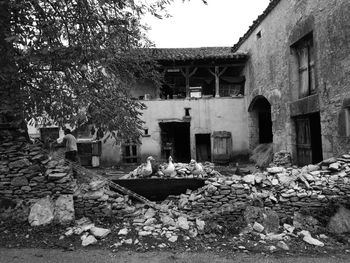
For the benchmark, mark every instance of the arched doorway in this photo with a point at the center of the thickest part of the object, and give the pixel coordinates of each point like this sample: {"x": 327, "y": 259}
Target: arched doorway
{"x": 260, "y": 121}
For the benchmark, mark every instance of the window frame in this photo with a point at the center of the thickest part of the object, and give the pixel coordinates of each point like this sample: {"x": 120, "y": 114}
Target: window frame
{"x": 305, "y": 49}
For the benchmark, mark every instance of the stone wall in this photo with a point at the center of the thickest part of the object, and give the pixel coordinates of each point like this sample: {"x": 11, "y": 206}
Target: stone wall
{"x": 96, "y": 200}
{"x": 272, "y": 68}
{"x": 27, "y": 174}
{"x": 313, "y": 189}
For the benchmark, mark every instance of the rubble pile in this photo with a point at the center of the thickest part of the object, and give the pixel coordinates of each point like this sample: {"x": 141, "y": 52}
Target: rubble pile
{"x": 310, "y": 188}
{"x": 282, "y": 158}
{"x": 26, "y": 174}
{"x": 88, "y": 231}
{"x": 279, "y": 236}
{"x": 165, "y": 223}
{"x": 181, "y": 170}
{"x": 95, "y": 200}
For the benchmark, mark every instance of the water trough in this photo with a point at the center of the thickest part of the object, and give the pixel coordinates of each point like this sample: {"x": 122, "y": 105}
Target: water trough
{"x": 156, "y": 189}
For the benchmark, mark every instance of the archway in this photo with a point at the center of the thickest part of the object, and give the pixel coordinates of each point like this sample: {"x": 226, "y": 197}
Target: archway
{"x": 260, "y": 121}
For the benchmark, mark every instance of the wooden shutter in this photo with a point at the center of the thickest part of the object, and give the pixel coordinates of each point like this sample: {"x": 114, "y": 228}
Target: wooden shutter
{"x": 304, "y": 149}
{"x": 222, "y": 146}
{"x": 303, "y": 72}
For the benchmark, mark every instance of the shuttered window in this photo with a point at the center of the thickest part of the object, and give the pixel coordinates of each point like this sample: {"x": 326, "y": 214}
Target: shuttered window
{"x": 130, "y": 152}
{"x": 306, "y": 62}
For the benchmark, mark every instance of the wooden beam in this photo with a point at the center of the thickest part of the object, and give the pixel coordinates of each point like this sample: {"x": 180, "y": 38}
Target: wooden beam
{"x": 187, "y": 74}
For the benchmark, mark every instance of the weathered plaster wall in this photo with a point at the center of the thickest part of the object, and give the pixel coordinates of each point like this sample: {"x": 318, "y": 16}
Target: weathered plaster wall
{"x": 207, "y": 116}
{"x": 270, "y": 70}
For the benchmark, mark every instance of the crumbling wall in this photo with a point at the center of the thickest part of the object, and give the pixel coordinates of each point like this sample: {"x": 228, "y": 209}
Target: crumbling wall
{"x": 95, "y": 199}
{"x": 312, "y": 189}
{"x": 271, "y": 70}
{"x": 26, "y": 174}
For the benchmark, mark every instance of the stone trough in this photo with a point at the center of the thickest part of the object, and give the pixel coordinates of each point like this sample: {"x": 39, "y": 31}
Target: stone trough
{"x": 158, "y": 189}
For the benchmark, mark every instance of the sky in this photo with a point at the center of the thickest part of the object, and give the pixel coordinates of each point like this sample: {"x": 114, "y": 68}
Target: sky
{"x": 193, "y": 24}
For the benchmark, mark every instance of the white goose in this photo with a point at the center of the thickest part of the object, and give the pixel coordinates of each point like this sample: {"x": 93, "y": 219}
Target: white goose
{"x": 170, "y": 171}
{"x": 197, "y": 168}
{"x": 145, "y": 169}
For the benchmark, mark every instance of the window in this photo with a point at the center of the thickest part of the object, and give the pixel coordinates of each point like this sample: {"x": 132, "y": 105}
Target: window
{"x": 306, "y": 66}
{"x": 130, "y": 152}
{"x": 258, "y": 35}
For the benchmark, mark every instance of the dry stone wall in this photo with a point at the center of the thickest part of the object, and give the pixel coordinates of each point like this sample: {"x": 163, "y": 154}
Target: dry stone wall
{"x": 96, "y": 200}
{"x": 312, "y": 189}
{"x": 27, "y": 174}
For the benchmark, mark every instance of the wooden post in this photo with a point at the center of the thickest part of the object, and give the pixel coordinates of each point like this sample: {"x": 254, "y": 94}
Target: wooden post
{"x": 187, "y": 76}
{"x": 217, "y": 82}
{"x": 217, "y": 73}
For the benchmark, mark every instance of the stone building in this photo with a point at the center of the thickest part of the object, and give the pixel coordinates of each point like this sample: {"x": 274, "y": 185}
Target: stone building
{"x": 294, "y": 65}
{"x": 286, "y": 81}
{"x": 198, "y": 112}
{"x": 298, "y": 73}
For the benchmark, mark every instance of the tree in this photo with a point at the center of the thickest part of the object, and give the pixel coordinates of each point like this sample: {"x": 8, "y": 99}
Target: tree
{"x": 72, "y": 61}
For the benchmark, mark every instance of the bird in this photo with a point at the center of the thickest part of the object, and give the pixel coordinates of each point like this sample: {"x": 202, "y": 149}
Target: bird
{"x": 169, "y": 170}
{"x": 145, "y": 169}
{"x": 197, "y": 167}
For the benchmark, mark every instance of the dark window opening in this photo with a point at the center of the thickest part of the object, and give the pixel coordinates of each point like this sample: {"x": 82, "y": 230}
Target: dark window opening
{"x": 258, "y": 35}
{"x": 175, "y": 140}
{"x": 187, "y": 112}
{"x": 308, "y": 139}
{"x": 203, "y": 147}
{"x": 130, "y": 152}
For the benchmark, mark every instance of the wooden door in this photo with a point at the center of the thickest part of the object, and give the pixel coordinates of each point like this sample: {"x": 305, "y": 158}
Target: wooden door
{"x": 222, "y": 147}
{"x": 304, "y": 147}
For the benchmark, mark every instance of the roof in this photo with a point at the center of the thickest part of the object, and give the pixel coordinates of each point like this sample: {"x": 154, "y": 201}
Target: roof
{"x": 256, "y": 23}
{"x": 183, "y": 54}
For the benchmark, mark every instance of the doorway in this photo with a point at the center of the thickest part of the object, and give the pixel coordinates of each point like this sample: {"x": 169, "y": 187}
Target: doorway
{"x": 260, "y": 121}
{"x": 203, "y": 147}
{"x": 308, "y": 139}
{"x": 175, "y": 140}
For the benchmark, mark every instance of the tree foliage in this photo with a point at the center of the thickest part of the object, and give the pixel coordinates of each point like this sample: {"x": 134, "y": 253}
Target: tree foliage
{"x": 72, "y": 60}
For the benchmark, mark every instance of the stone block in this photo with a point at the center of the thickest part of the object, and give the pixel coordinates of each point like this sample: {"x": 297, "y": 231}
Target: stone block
{"x": 19, "y": 181}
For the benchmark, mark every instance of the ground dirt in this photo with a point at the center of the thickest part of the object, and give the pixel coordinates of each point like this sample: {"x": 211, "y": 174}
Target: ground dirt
{"x": 102, "y": 256}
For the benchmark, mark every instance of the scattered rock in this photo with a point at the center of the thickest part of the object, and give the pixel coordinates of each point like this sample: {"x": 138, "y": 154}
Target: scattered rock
{"x": 271, "y": 221}
{"x": 89, "y": 240}
{"x": 200, "y": 224}
{"x": 275, "y": 170}
{"x": 289, "y": 228}
{"x": 283, "y": 245}
{"x": 100, "y": 232}
{"x": 64, "y": 209}
{"x": 173, "y": 239}
{"x": 274, "y": 237}
{"x": 183, "y": 223}
{"x": 42, "y": 212}
{"x": 340, "y": 222}
{"x": 307, "y": 222}
{"x": 310, "y": 240}
{"x": 123, "y": 232}
{"x": 150, "y": 213}
{"x": 249, "y": 179}
{"x": 258, "y": 227}
{"x": 167, "y": 220}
